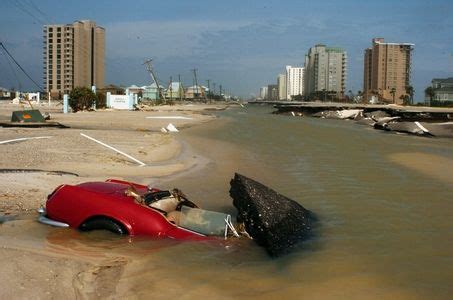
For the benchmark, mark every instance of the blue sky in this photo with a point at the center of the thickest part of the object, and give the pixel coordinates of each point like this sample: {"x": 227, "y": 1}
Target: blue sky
{"x": 240, "y": 44}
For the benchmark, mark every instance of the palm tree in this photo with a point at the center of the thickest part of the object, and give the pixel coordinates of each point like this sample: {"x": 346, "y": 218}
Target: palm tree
{"x": 410, "y": 91}
{"x": 429, "y": 92}
{"x": 405, "y": 99}
{"x": 393, "y": 92}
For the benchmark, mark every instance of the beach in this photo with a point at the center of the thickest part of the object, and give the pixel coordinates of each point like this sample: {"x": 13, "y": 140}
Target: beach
{"x": 32, "y": 168}
{"x": 135, "y": 133}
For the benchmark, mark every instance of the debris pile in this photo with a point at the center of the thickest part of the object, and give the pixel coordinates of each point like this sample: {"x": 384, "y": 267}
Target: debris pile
{"x": 422, "y": 124}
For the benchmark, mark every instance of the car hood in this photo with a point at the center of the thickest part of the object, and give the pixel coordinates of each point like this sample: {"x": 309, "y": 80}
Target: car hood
{"x": 108, "y": 188}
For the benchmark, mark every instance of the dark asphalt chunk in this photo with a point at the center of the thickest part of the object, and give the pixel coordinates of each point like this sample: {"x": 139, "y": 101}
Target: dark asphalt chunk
{"x": 274, "y": 221}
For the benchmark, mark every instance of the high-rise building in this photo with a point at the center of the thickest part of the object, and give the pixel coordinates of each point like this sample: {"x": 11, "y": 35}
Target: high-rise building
{"x": 281, "y": 82}
{"x": 325, "y": 70}
{"x": 263, "y": 92}
{"x": 272, "y": 92}
{"x": 294, "y": 81}
{"x": 73, "y": 56}
{"x": 387, "y": 68}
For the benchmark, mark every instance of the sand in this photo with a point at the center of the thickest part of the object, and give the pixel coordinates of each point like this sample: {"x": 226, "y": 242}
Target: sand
{"x": 65, "y": 156}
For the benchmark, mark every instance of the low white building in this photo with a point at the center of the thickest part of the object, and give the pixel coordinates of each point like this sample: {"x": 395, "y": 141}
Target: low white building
{"x": 133, "y": 89}
{"x": 4, "y": 93}
{"x": 443, "y": 89}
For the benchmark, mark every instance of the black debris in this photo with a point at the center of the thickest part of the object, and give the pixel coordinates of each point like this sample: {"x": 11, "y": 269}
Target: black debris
{"x": 274, "y": 221}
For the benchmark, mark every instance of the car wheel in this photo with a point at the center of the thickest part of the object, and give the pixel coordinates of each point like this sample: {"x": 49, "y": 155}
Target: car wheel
{"x": 102, "y": 223}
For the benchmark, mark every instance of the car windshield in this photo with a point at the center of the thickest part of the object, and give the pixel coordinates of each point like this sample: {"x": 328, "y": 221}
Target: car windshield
{"x": 203, "y": 221}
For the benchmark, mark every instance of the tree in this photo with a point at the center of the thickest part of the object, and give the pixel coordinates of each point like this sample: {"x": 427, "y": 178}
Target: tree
{"x": 393, "y": 92}
{"x": 429, "y": 92}
{"x": 410, "y": 91}
{"x": 406, "y": 99}
{"x": 82, "y": 98}
{"x": 297, "y": 98}
{"x": 350, "y": 96}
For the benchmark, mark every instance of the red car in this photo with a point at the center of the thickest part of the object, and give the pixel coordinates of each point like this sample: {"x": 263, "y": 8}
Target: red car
{"x": 129, "y": 208}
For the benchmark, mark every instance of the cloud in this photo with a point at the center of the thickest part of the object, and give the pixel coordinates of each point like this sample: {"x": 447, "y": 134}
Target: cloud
{"x": 160, "y": 39}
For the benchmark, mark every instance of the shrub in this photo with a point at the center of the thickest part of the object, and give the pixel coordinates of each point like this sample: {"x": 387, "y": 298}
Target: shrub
{"x": 437, "y": 103}
{"x": 101, "y": 101}
{"x": 81, "y": 98}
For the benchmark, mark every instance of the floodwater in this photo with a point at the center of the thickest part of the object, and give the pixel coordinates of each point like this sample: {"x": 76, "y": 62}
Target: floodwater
{"x": 384, "y": 203}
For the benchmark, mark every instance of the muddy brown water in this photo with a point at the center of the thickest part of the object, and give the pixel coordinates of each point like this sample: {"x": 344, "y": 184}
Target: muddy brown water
{"x": 384, "y": 202}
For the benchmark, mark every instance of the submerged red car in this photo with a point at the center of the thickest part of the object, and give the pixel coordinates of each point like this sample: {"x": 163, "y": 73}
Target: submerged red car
{"x": 129, "y": 208}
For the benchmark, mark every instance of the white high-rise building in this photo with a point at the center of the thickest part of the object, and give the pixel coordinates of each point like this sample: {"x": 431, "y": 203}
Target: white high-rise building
{"x": 263, "y": 92}
{"x": 294, "y": 81}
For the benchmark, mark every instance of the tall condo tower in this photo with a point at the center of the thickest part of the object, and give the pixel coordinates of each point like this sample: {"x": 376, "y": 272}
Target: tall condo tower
{"x": 325, "y": 70}
{"x": 73, "y": 56}
{"x": 387, "y": 70}
{"x": 294, "y": 81}
{"x": 281, "y": 82}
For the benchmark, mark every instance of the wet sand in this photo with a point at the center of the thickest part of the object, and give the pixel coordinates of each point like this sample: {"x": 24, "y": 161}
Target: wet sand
{"x": 31, "y": 270}
{"x": 435, "y": 166}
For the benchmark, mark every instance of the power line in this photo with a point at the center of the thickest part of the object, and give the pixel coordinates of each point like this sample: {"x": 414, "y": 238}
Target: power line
{"x": 20, "y": 67}
{"x": 21, "y": 7}
{"x": 7, "y": 78}
{"x": 35, "y": 7}
{"x": 12, "y": 71}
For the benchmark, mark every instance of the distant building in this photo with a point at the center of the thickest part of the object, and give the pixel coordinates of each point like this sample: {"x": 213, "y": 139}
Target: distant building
{"x": 281, "y": 82}
{"x": 325, "y": 70}
{"x": 73, "y": 56}
{"x": 263, "y": 92}
{"x": 151, "y": 92}
{"x": 387, "y": 70}
{"x": 133, "y": 89}
{"x": 443, "y": 89}
{"x": 272, "y": 92}
{"x": 195, "y": 92}
{"x": 294, "y": 81}
{"x": 175, "y": 90}
{"x": 5, "y": 94}
{"x": 112, "y": 89}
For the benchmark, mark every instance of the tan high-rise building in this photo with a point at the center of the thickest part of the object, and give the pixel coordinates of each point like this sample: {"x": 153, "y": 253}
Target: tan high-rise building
{"x": 73, "y": 56}
{"x": 387, "y": 70}
{"x": 281, "y": 82}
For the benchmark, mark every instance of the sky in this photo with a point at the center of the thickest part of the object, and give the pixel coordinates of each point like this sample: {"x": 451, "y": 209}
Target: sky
{"x": 241, "y": 45}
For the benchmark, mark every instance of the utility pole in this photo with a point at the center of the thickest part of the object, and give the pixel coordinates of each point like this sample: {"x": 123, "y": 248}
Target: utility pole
{"x": 196, "y": 81}
{"x": 171, "y": 88}
{"x": 180, "y": 88}
{"x": 209, "y": 89}
{"x": 213, "y": 88}
{"x": 149, "y": 67}
{"x": 220, "y": 91}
